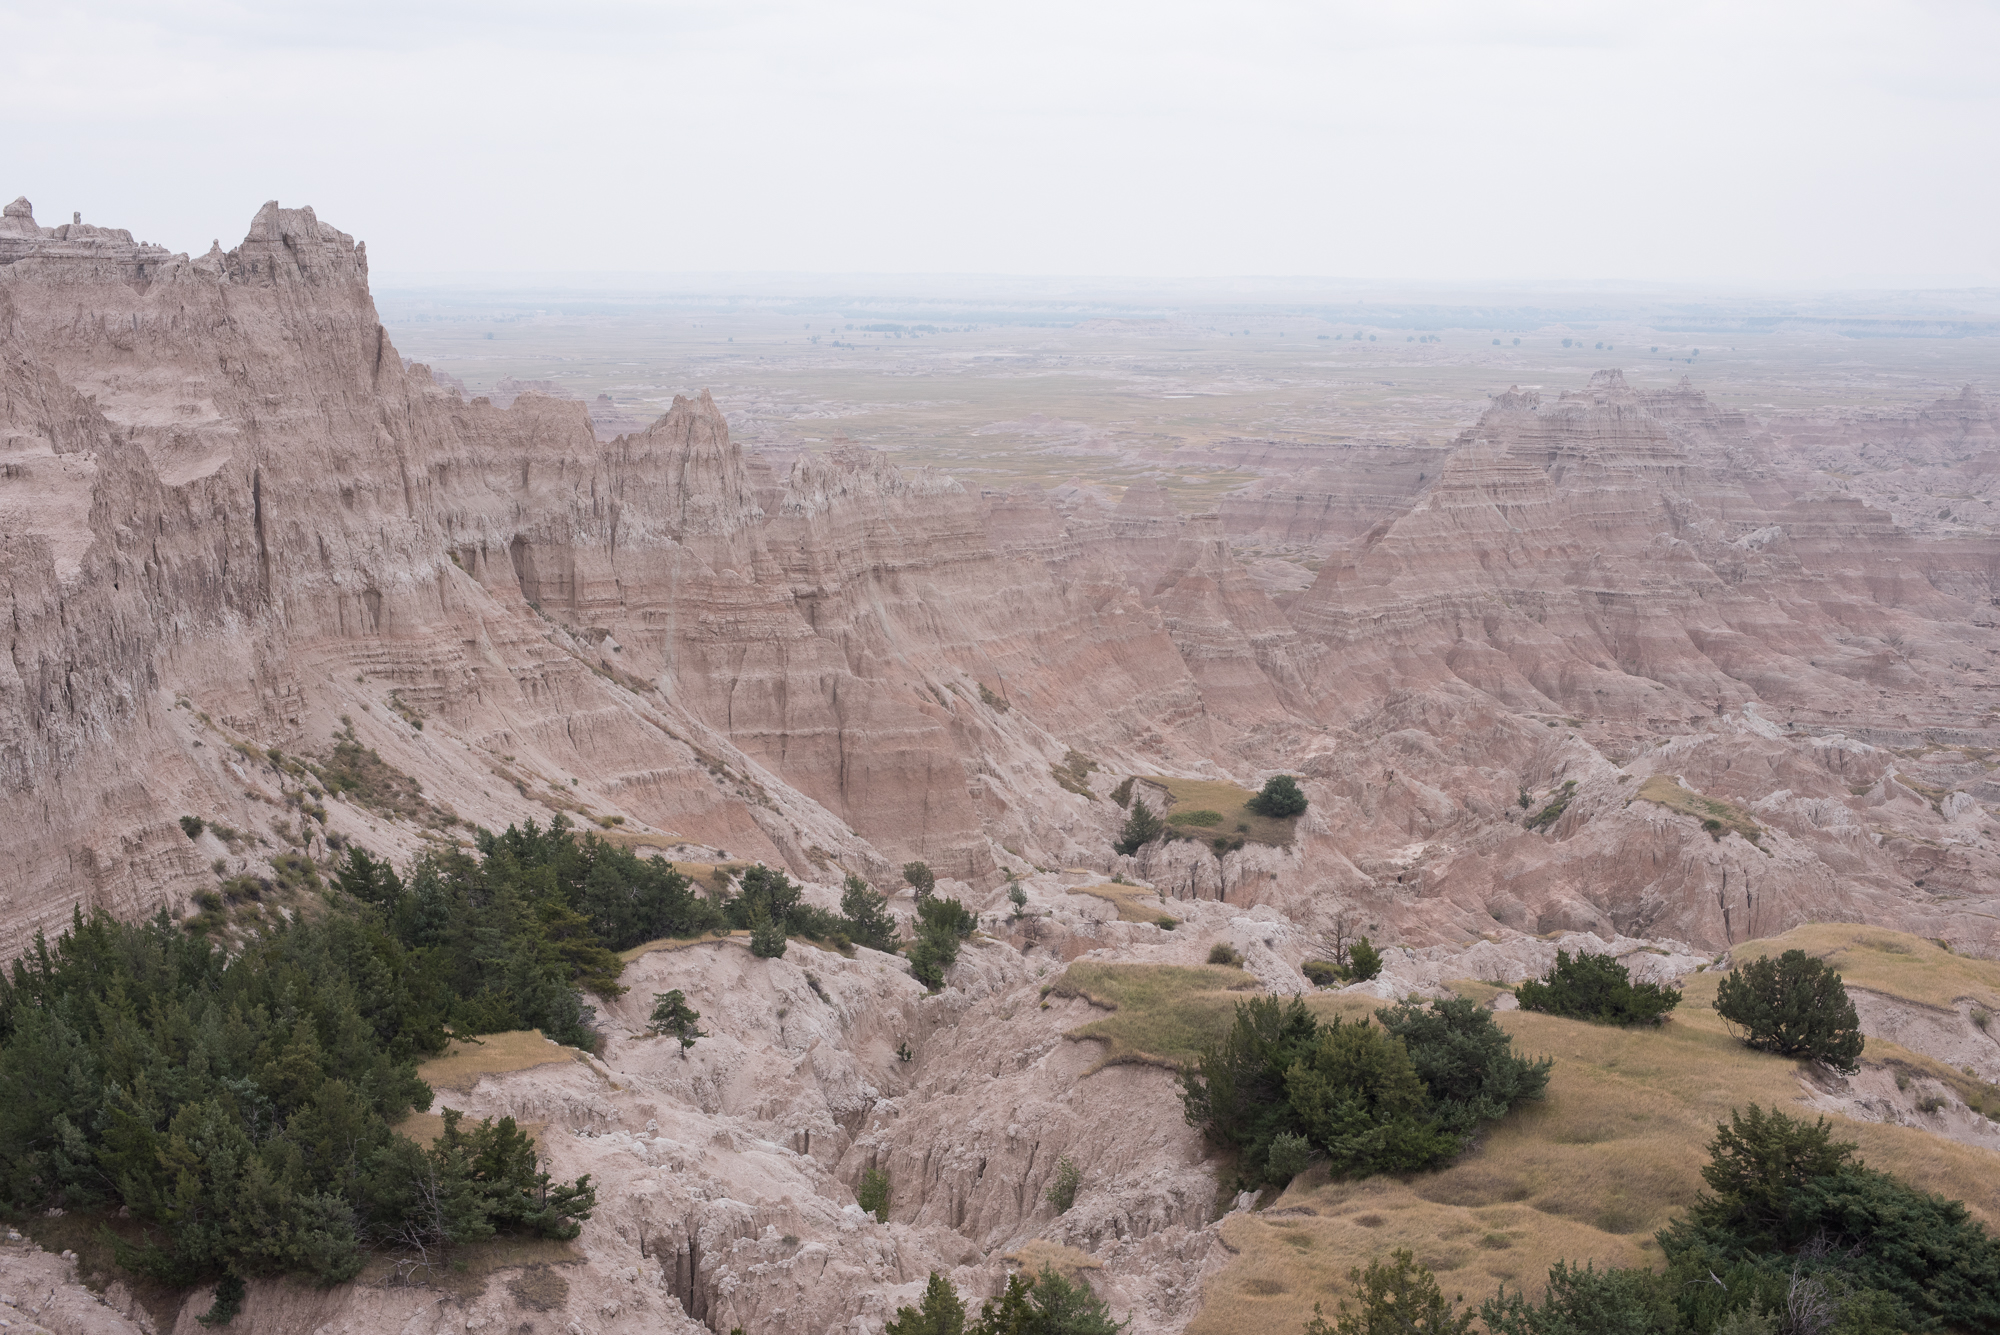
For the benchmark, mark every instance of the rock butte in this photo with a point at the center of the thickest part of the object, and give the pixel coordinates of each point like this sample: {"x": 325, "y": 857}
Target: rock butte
{"x": 230, "y": 511}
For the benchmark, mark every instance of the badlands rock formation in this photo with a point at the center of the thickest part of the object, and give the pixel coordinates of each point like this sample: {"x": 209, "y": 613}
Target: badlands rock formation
{"x": 233, "y": 520}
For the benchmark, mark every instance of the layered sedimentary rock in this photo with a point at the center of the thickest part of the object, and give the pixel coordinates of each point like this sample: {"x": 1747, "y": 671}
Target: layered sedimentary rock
{"x": 230, "y": 493}
{"x": 226, "y": 490}
{"x": 1613, "y": 662}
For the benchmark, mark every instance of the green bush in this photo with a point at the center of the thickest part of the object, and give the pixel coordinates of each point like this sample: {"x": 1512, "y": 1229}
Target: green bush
{"x": 941, "y": 925}
{"x": 1045, "y": 1304}
{"x": 1795, "y": 1006}
{"x": 672, "y": 1015}
{"x": 1398, "y": 1297}
{"x": 241, "y": 1106}
{"x": 1551, "y": 813}
{"x": 776, "y": 897}
{"x": 946, "y": 916}
{"x": 1122, "y": 794}
{"x": 1587, "y": 1301}
{"x": 1281, "y": 797}
{"x": 1142, "y": 827}
{"x": 867, "y": 917}
{"x": 191, "y": 826}
{"x": 1355, "y": 1092}
{"x": 1797, "y": 1237}
{"x": 920, "y": 878}
{"x": 1323, "y": 973}
{"x": 1596, "y": 987}
{"x": 873, "y": 1194}
{"x": 1466, "y": 1061}
{"x": 1062, "y": 1192}
{"x": 230, "y": 1291}
{"x": 624, "y": 900}
{"x": 767, "y": 935}
{"x": 1361, "y": 963}
{"x": 1786, "y": 1195}
{"x": 1224, "y": 954}
{"x": 1289, "y": 1155}
{"x": 942, "y": 1313}
{"x": 1357, "y": 1098}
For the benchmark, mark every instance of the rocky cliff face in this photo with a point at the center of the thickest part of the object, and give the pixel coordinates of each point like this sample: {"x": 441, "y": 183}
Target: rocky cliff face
{"x": 227, "y": 492}
{"x": 1612, "y": 661}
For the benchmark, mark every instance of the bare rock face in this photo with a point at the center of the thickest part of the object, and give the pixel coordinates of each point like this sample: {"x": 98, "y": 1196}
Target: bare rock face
{"x": 1613, "y": 663}
{"x": 224, "y": 488}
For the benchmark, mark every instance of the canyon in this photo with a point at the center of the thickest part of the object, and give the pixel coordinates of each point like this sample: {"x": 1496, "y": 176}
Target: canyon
{"x": 1612, "y": 660}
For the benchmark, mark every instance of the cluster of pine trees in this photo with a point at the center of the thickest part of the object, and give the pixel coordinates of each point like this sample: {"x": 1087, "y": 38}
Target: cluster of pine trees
{"x": 1284, "y": 1088}
{"x": 240, "y": 1105}
{"x": 1795, "y": 1236}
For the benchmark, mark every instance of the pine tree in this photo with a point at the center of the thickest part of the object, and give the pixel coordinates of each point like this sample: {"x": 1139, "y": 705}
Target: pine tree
{"x": 1142, "y": 827}
{"x": 941, "y": 1313}
{"x": 1795, "y": 1006}
{"x": 672, "y": 1015}
{"x": 767, "y": 936}
{"x": 867, "y": 914}
{"x": 1281, "y": 797}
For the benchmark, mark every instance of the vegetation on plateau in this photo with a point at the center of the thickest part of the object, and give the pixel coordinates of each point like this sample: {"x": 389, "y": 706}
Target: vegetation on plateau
{"x": 1612, "y": 1155}
{"x": 1284, "y": 1088}
{"x": 1281, "y": 797}
{"x": 239, "y": 1106}
{"x": 1047, "y": 1303}
{"x": 1717, "y": 818}
{"x": 1795, "y": 1236}
{"x": 1795, "y": 1006}
{"x": 1596, "y": 987}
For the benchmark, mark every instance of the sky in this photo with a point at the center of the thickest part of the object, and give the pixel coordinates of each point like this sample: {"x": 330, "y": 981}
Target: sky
{"x": 1770, "y": 144}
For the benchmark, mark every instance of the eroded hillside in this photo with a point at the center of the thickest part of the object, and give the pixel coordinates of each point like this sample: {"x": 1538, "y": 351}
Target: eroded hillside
{"x": 1613, "y": 661}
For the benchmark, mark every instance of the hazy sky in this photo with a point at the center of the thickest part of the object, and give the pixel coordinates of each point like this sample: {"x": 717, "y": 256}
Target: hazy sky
{"x": 1819, "y": 143}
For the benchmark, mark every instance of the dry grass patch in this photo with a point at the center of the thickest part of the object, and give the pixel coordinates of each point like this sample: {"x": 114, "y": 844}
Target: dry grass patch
{"x": 467, "y": 1059}
{"x": 1227, "y": 800}
{"x": 1073, "y": 775}
{"x": 426, "y": 1127}
{"x": 1892, "y": 963}
{"x": 1611, "y": 1155}
{"x": 1161, "y": 1014}
{"x": 682, "y": 943}
{"x": 539, "y": 1289}
{"x": 1135, "y": 903}
{"x": 1725, "y": 816}
{"x": 1031, "y": 1257}
{"x": 473, "y": 1266}
{"x": 370, "y": 781}
{"x": 738, "y": 937}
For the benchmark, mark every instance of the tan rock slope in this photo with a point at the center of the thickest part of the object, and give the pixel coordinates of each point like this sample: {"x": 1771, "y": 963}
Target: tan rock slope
{"x": 225, "y": 488}
{"x": 1614, "y": 661}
